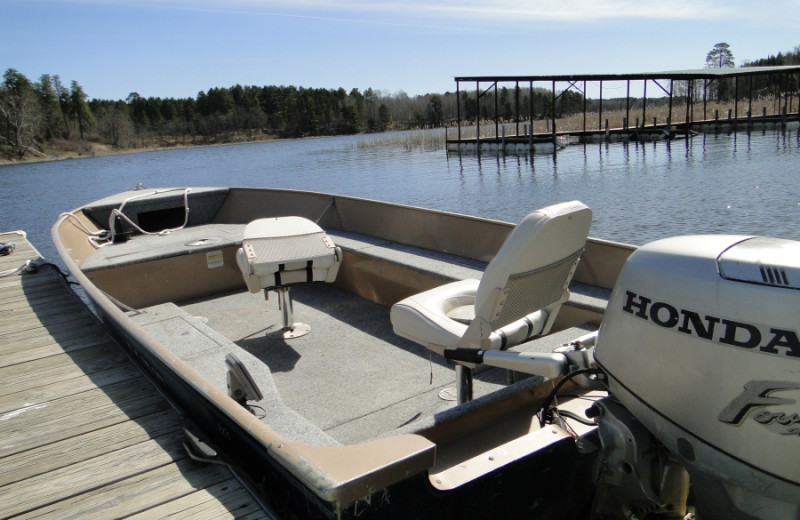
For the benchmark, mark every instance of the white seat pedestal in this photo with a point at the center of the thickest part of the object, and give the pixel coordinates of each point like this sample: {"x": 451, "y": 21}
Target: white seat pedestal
{"x": 290, "y": 329}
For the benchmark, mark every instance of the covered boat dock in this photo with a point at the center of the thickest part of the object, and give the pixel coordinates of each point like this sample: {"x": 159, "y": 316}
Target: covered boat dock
{"x": 522, "y": 114}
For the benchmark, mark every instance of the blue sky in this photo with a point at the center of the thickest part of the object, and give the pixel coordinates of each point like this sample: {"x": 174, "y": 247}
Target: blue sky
{"x": 176, "y": 48}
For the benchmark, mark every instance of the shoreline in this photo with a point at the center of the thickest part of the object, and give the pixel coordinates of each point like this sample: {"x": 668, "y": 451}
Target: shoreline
{"x": 66, "y": 150}
{"x": 103, "y": 150}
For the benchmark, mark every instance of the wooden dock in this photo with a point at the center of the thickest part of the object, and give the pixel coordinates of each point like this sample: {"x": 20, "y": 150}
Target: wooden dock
{"x": 686, "y": 95}
{"x": 83, "y": 434}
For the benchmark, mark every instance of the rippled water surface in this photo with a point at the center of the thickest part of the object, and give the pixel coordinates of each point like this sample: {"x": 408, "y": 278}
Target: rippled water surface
{"x": 639, "y": 192}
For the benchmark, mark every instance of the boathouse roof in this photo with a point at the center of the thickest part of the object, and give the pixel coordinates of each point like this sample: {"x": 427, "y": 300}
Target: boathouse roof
{"x": 669, "y": 74}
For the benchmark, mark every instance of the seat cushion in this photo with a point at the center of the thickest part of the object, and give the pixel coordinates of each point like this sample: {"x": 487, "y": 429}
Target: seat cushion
{"x": 283, "y": 251}
{"x": 423, "y": 318}
{"x": 438, "y": 319}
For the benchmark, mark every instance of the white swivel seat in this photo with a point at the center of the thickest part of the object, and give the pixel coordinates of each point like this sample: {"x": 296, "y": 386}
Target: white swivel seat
{"x": 277, "y": 253}
{"x": 517, "y": 297}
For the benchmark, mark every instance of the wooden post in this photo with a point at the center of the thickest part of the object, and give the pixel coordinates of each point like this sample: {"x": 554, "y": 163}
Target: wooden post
{"x": 689, "y": 95}
{"x": 458, "y": 112}
{"x": 553, "y": 112}
{"x": 496, "y": 113}
{"x": 530, "y": 108}
{"x": 736, "y": 101}
{"x": 750, "y": 105}
{"x": 798, "y": 99}
{"x": 516, "y": 107}
{"x": 478, "y": 117}
{"x": 600, "y": 116}
{"x": 627, "y": 103}
{"x": 584, "y": 106}
{"x": 669, "y": 110}
{"x": 644, "y": 103}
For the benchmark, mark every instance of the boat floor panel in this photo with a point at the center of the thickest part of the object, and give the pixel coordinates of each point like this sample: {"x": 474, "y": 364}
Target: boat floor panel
{"x": 351, "y": 375}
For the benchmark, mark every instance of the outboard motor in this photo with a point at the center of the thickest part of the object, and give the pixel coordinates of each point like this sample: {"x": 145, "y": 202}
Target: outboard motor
{"x": 700, "y": 345}
{"x": 699, "y": 350}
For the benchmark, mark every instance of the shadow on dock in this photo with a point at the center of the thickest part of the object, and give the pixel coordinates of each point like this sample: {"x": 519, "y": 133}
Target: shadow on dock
{"x": 84, "y": 432}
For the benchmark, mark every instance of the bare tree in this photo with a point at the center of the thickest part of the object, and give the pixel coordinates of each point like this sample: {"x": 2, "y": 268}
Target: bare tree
{"x": 114, "y": 124}
{"x": 19, "y": 109}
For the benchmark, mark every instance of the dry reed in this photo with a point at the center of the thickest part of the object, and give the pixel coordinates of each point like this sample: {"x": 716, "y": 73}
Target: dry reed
{"x": 427, "y": 140}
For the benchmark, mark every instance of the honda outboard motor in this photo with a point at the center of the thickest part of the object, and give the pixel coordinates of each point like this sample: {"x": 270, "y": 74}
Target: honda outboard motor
{"x": 700, "y": 344}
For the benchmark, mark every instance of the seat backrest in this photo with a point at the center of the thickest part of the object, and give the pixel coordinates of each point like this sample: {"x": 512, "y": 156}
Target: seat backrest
{"x": 534, "y": 266}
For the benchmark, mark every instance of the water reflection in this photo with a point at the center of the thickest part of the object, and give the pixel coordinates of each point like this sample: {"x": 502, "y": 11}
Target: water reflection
{"x": 731, "y": 183}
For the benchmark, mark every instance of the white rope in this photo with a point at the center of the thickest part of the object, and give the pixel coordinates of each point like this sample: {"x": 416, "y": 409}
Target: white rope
{"x": 97, "y": 239}
{"x": 118, "y": 213}
{"x": 27, "y": 266}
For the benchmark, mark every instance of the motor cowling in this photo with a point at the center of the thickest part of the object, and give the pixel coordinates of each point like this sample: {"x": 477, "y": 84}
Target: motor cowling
{"x": 701, "y": 343}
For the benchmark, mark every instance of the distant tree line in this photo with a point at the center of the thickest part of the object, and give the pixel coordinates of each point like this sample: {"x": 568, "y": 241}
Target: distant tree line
{"x": 770, "y": 85}
{"x": 35, "y": 115}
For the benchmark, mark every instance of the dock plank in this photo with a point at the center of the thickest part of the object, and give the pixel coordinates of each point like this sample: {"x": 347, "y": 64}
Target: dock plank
{"x": 83, "y": 434}
{"x": 52, "y": 369}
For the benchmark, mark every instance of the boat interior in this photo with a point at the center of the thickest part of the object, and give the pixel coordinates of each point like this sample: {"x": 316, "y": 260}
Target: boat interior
{"x": 192, "y": 269}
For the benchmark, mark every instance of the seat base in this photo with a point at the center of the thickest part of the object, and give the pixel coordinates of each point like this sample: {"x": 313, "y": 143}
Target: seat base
{"x": 295, "y": 330}
{"x": 289, "y": 329}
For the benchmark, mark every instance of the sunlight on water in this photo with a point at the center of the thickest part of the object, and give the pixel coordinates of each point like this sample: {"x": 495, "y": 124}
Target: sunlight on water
{"x": 638, "y": 191}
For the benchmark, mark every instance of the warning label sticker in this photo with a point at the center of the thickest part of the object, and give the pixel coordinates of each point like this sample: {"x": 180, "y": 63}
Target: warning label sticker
{"x": 214, "y": 259}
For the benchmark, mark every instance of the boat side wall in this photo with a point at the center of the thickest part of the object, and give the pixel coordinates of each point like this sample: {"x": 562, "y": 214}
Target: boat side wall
{"x": 601, "y": 262}
{"x": 176, "y": 278}
{"x": 192, "y": 275}
{"x": 461, "y": 235}
{"x": 469, "y": 237}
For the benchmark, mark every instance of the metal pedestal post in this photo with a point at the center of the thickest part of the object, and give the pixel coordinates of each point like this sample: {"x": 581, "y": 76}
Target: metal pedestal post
{"x": 290, "y": 328}
{"x": 463, "y": 384}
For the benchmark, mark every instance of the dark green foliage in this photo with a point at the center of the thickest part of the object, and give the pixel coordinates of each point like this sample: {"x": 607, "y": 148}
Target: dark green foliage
{"x": 771, "y": 84}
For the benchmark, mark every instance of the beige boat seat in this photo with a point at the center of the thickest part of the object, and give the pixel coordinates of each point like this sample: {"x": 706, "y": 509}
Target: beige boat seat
{"x": 517, "y": 297}
{"x": 280, "y": 252}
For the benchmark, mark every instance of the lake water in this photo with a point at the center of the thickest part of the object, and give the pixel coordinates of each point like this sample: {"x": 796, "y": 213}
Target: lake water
{"x": 639, "y": 192}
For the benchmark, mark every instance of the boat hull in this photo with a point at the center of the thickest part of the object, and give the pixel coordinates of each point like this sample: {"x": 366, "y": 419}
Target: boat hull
{"x": 391, "y": 477}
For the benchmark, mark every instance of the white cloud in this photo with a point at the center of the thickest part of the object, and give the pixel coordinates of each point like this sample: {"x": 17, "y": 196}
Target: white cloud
{"x": 480, "y": 10}
{"x": 510, "y": 12}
